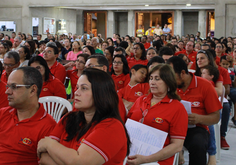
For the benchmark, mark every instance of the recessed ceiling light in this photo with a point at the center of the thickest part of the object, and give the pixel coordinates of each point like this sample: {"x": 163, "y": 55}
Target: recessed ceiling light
{"x": 146, "y": 5}
{"x": 188, "y": 4}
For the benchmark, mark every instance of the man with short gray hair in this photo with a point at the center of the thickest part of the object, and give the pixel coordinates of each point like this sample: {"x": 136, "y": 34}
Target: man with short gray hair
{"x": 11, "y": 60}
{"x": 94, "y": 43}
{"x": 17, "y": 43}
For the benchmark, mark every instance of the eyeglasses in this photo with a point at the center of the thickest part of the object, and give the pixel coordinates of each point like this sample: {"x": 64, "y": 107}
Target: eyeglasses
{"x": 9, "y": 65}
{"x": 81, "y": 62}
{"x": 93, "y": 66}
{"x": 16, "y": 86}
{"x": 48, "y": 52}
{"x": 118, "y": 63}
{"x": 218, "y": 46}
{"x": 137, "y": 48}
{"x": 144, "y": 113}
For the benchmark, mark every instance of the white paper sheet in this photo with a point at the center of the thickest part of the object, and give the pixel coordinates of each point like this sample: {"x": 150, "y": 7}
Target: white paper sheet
{"x": 187, "y": 106}
{"x": 145, "y": 140}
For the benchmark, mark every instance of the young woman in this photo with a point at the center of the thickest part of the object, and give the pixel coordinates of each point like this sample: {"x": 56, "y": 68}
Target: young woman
{"x": 110, "y": 41}
{"x": 79, "y": 67}
{"x": 93, "y": 135}
{"x": 76, "y": 50}
{"x": 151, "y": 52}
{"x": 120, "y": 71}
{"x": 139, "y": 55}
{"x": 104, "y": 45}
{"x": 51, "y": 85}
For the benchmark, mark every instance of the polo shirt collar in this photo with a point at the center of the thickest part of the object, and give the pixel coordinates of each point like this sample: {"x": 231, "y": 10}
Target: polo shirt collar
{"x": 39, "y": 115}
{"x": 193, "y": 83}
{"x": 54, "y": 65}
{"x": 166, "y": 99}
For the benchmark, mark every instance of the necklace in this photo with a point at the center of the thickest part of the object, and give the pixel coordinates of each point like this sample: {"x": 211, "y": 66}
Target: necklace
{"x": 153, "y": 103}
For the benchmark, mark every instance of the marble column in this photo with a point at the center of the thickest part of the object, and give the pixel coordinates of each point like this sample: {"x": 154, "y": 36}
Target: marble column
{"x": 131, "y": 24}
{"x": 202, "y": 23}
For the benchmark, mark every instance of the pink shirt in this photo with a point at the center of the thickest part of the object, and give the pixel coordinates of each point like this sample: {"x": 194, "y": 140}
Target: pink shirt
{"x": 72, "y": 56}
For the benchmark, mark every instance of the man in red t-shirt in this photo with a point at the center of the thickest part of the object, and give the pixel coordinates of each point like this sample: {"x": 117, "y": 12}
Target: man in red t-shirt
{"x": 50, "y": 55}
{"x": 205, "y": 108}
{"x": 11, "y": 61}
{"x": 144, "y": 42}
{"x": 189, "y": 52}
{"x": 24, "y": 122}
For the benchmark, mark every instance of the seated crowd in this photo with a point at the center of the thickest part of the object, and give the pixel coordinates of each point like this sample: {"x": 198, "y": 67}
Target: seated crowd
{"x": 111, "y": 80}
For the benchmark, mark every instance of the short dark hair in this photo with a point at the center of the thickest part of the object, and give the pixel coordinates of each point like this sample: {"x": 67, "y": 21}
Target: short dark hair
{"x": 42, "y": 62}
{"x": 32, "y": 76}
{"x": 136, "y": 68}
{"x": 54, "y": 46}
{"x": 120, "y": 49}
{"x": 167, "y": 74}
{"x": 14, "y": 55}
{"x": 124, "y": 44}
{"x": 166, "y": 51}
{"x": 101, "y": 59}
{"x": 157, "y": 44}
{"x": 84, "y": 55}
{"x": 125, "y": 64}
{"x": 213, "y": 71}
{"x": 157, "y": 59}
{"x": 178, "y": 64}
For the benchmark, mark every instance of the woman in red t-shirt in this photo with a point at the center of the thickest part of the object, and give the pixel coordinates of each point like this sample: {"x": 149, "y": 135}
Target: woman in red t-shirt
{"x": 93, "y": 135}
{"x": 51, "y": 85}
{"x": 120, "y": 71}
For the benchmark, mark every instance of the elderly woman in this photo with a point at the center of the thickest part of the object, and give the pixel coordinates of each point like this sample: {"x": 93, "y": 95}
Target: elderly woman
{"x": 162, "y": 103}
{"x": 93, "y": 135}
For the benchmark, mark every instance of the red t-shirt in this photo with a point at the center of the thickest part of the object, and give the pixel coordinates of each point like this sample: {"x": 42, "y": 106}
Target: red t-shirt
{"x": 225, "y": 74}
{"x": 132, "y": 93}
{"x": 192, "y": 56}
{"x": 72, "y": 74}
{"x": 3, "y": 95}
{"x": 58, "y": 70}
{"x": 168, "y": 115}
{"x": 146, "y": 45}
{"x": 19, "y": 139}
{"x": 108, "y": 138}
{"x": 202, "y": 95}
{"x": 4, "y": 77}
{"x": 132, "y": 61}
{"x": 121, "y": 80}
{"x": 53, "y": 87}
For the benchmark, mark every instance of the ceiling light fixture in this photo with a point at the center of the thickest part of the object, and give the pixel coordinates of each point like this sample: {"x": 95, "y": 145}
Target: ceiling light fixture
{"x": 188, "y": 5}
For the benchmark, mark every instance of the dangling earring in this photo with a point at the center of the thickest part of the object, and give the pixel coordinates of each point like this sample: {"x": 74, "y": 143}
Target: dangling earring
{"x": 168, "y": 89}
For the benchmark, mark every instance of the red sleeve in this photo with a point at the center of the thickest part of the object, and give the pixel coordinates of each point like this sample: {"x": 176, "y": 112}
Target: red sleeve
{"x": 220, "y": 79}
{"x": 59, "y": 89}
{"x": 108, "y": 138}
{"x": 226, "y": 77}
{"x": 57, "y": 131}
{"x": 146, "y": 88}
{"x": 60, "y": 73}
{"x": 211, "y": 101}
{"x": 3, "y": 95}
{"x": 121, "y": 92}
{"x": 179, "y": 123}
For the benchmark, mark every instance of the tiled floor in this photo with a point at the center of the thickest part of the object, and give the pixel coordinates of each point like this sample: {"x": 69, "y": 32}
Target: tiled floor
{"x": 228, "y": 157}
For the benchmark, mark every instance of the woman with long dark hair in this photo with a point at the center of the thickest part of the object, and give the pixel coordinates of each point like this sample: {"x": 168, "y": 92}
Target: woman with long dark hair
{"x": 93, "y": 135}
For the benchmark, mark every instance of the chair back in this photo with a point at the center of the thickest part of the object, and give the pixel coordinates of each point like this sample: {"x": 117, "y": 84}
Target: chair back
{"x": 55, "y": 106}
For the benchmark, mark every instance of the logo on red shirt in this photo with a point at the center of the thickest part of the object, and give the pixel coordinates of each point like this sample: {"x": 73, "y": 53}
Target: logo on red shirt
{"x": 158, "y": 120}
{"x": 196, "y": 104}
{"x": 45, "y": 89}
{"x": 121, "y": 82}
{"x": 138, "y": 94}
{"x": 26, "y": 141}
